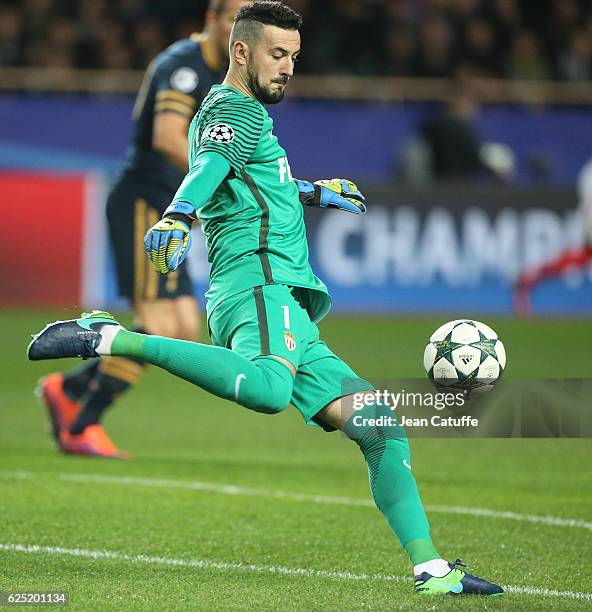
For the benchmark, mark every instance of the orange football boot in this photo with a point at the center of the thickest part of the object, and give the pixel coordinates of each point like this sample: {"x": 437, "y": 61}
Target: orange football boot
{"x": 93, "y": 441}
{"x": 61, "y": 409}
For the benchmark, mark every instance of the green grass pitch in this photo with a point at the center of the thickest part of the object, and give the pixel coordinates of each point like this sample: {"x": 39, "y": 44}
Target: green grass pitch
{"x": 220, "y": 507}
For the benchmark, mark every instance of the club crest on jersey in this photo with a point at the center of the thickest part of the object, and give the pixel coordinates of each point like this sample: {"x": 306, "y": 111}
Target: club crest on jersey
{"x": 221, "y": 133}
{"x": 184, "y": 79}
{"x": 290, "y": 341}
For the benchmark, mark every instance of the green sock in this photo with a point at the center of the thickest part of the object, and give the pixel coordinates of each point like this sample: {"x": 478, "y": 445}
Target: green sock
{"x": 264, "y": 384}
{"x": 386, "y": 450}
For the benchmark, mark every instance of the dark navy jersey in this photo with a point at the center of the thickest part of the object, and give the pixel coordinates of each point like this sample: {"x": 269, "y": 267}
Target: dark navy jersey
{"x": 176, "y": 81}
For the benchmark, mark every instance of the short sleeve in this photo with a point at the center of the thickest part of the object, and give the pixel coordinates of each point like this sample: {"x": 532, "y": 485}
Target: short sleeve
{"x": 232, "y": 128}
{"x": 177, "y": 88}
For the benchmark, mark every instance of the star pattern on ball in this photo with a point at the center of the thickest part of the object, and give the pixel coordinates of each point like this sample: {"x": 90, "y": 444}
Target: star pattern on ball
{"x": 444, "y": 349}
{"x": 487, "y": 347}
{"x": 223, "y": 134}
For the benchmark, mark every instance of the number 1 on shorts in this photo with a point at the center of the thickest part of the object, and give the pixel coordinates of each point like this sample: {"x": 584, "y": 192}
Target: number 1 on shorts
{"x": 286, "y": 310}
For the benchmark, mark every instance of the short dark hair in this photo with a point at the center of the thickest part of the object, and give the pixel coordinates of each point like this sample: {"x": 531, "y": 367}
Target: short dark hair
{"x": 253, "y": 16}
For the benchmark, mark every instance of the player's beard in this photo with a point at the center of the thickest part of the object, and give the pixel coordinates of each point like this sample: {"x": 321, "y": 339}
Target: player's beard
{"x": 261, "y": 93}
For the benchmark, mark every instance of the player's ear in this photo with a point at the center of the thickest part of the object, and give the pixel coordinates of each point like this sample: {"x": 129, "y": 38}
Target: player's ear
{"x": 240, "y": 52}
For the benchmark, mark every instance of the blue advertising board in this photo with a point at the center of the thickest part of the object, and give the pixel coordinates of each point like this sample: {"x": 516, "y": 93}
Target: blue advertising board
{"x": 324, "y": 139}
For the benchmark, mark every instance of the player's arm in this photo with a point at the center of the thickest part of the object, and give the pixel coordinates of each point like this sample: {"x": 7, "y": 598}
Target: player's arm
{"x": 227, "y": 140}
{"x": 169, "y": 137}
{"x": 334, "y": 193}
{"x": 176, "y": 100}
{"x": 168, "y": 242}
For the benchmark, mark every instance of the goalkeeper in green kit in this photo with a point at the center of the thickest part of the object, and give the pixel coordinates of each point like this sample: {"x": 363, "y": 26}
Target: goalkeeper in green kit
{"x": 264, "y": 300}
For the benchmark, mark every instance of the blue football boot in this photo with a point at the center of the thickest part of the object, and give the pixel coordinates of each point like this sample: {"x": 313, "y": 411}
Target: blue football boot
{"x": 74, "y": 338}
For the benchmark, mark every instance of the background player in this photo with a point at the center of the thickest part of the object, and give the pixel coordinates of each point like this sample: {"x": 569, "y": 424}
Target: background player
{"x": 173, "y": 87}
{"x": 569, "y": 259}
{"x": 264, "y": 298}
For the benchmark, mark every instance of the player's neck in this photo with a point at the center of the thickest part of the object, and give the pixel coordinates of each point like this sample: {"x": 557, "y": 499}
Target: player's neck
{"x": 235, "y": 79}
{"x": 210, "y": 52}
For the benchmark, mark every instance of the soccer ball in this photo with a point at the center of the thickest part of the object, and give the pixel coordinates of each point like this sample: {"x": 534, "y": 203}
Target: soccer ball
{"x": 464, "y": 355}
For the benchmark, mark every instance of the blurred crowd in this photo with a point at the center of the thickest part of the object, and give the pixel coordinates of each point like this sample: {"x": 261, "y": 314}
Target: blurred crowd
{"x": 516, "y": 39}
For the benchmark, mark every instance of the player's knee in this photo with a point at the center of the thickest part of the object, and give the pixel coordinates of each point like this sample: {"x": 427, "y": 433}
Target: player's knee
{"x": 165, "y": 328}
{"x": 373, "y": 423}
{"x": 279, "y": 400}
{"x": 156, "y": 325}
{"x": 271, "y": 400}
{"x": 273, "y": 392}
{"x": 188, "y": 331}
{"x": 158, "y": 318}
{"x": 188, "y": 318}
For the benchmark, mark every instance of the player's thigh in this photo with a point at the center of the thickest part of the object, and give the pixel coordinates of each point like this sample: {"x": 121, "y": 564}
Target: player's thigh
{"x": 132, "y": 208}
{"x": 323, "y": 378}
{"x": 263, "y": 321}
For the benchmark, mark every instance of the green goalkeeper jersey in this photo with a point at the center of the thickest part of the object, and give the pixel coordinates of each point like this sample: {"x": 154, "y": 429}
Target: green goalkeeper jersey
{"x": 254, "y": 222}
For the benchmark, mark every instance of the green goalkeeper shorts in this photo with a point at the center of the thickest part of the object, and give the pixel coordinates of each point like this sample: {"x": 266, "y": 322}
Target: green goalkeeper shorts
{"x": 268, "y": 320}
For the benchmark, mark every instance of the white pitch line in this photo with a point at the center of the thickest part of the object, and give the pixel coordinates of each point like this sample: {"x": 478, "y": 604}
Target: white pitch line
{"x": 214, "y": 488}
{"x": 250, "y": 567}
{"x": 548, "y": 592}
{"x": 553, "y": 521}
{"x": 513, "y": 516}
{"x": 195, "y": 563}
